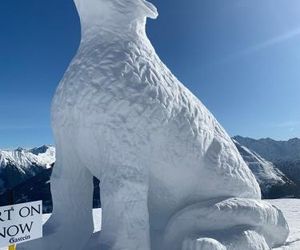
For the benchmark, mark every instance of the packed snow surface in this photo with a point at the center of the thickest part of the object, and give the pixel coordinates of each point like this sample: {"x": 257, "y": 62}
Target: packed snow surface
{"x": 163, "y": 161}
{"x": 289, "y": 207}
{"x": 291, "y": 211}
{"x": 97, "y": 214}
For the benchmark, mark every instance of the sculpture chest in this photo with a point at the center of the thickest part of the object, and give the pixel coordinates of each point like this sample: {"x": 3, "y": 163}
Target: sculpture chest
{"x": 115, "y": 82}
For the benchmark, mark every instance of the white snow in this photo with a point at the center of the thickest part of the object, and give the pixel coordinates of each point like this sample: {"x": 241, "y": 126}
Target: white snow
{"x": 265, "y": 172}
{"x": 97, "y": 214}
{"x": 289, "y": 207}
{"x": 96, "y": 219}
{"x": 202, "y": 244}
{"x": 226, "y": 221}
{"x": 291, "y": 211}
{"x": 46, "y": 158}
{"x": 23, "y": 159}
{"x": 119, "y": 114}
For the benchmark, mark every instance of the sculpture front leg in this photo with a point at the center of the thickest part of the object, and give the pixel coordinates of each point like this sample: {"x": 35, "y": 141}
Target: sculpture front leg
{"x": 71, "y": 223}
{"x": 125, "y": 219}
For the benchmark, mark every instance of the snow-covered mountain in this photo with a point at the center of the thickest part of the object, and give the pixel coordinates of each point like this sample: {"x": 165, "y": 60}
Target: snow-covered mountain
{"x": 24, "y": 158}
{"x": 32, "y": 169}
{"x": 285, "y": 156}
{"x": 272, "y": 181}
{"x": 17, "y": 166}
{"x": 27, "y": 172}
{"x": 273, "y": 150}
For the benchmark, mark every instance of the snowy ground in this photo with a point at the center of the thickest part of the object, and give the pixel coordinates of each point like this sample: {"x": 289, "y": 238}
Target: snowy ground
{"x": 97, "y": 219}
{"x": 290, "y": 208}
{"x": 97, "y": 227}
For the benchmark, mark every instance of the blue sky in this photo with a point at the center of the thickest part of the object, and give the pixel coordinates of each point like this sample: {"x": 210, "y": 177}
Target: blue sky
{"x": 240, "y": 57}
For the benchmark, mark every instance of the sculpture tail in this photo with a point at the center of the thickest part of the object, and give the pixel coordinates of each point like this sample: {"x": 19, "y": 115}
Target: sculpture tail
{"x": 233, "y": 221}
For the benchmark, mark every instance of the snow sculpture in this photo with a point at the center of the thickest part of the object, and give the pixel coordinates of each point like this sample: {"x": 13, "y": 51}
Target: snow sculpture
{"x": 168, "y": 170}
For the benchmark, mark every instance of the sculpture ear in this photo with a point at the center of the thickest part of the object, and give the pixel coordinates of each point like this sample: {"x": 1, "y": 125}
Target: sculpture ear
{"x": 151, "y": 10}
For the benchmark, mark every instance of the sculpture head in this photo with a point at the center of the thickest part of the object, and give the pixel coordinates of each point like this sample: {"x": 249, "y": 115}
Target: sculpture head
{"x": 99, "y": 11}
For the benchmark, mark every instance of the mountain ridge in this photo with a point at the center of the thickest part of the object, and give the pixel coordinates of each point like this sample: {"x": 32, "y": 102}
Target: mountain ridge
{"x": 272, "y": 150}
{"x": 28, "y": 171}
{"x": 19, "y": 165}
{"x": 272, "y": 181}
{"x": 284, "y": 155}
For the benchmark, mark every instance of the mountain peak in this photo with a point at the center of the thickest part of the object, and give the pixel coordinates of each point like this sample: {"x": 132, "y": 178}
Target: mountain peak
{"x": 294, "y": 140}
{"x": 20, "y": 164}
{"x": 239, "y": 137}
{"x": 40, "y": 150}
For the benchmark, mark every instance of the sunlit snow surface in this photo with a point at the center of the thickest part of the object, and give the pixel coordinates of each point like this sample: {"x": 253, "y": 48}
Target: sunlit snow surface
{"x": 97, "y": 227}
{"x": 96, "y": 218}
{"x": 289, "y": 207}
{"x": 291, "y": 211}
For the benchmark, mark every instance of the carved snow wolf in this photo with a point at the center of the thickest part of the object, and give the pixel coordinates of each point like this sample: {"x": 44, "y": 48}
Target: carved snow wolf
{"x": 170, "y": 176}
